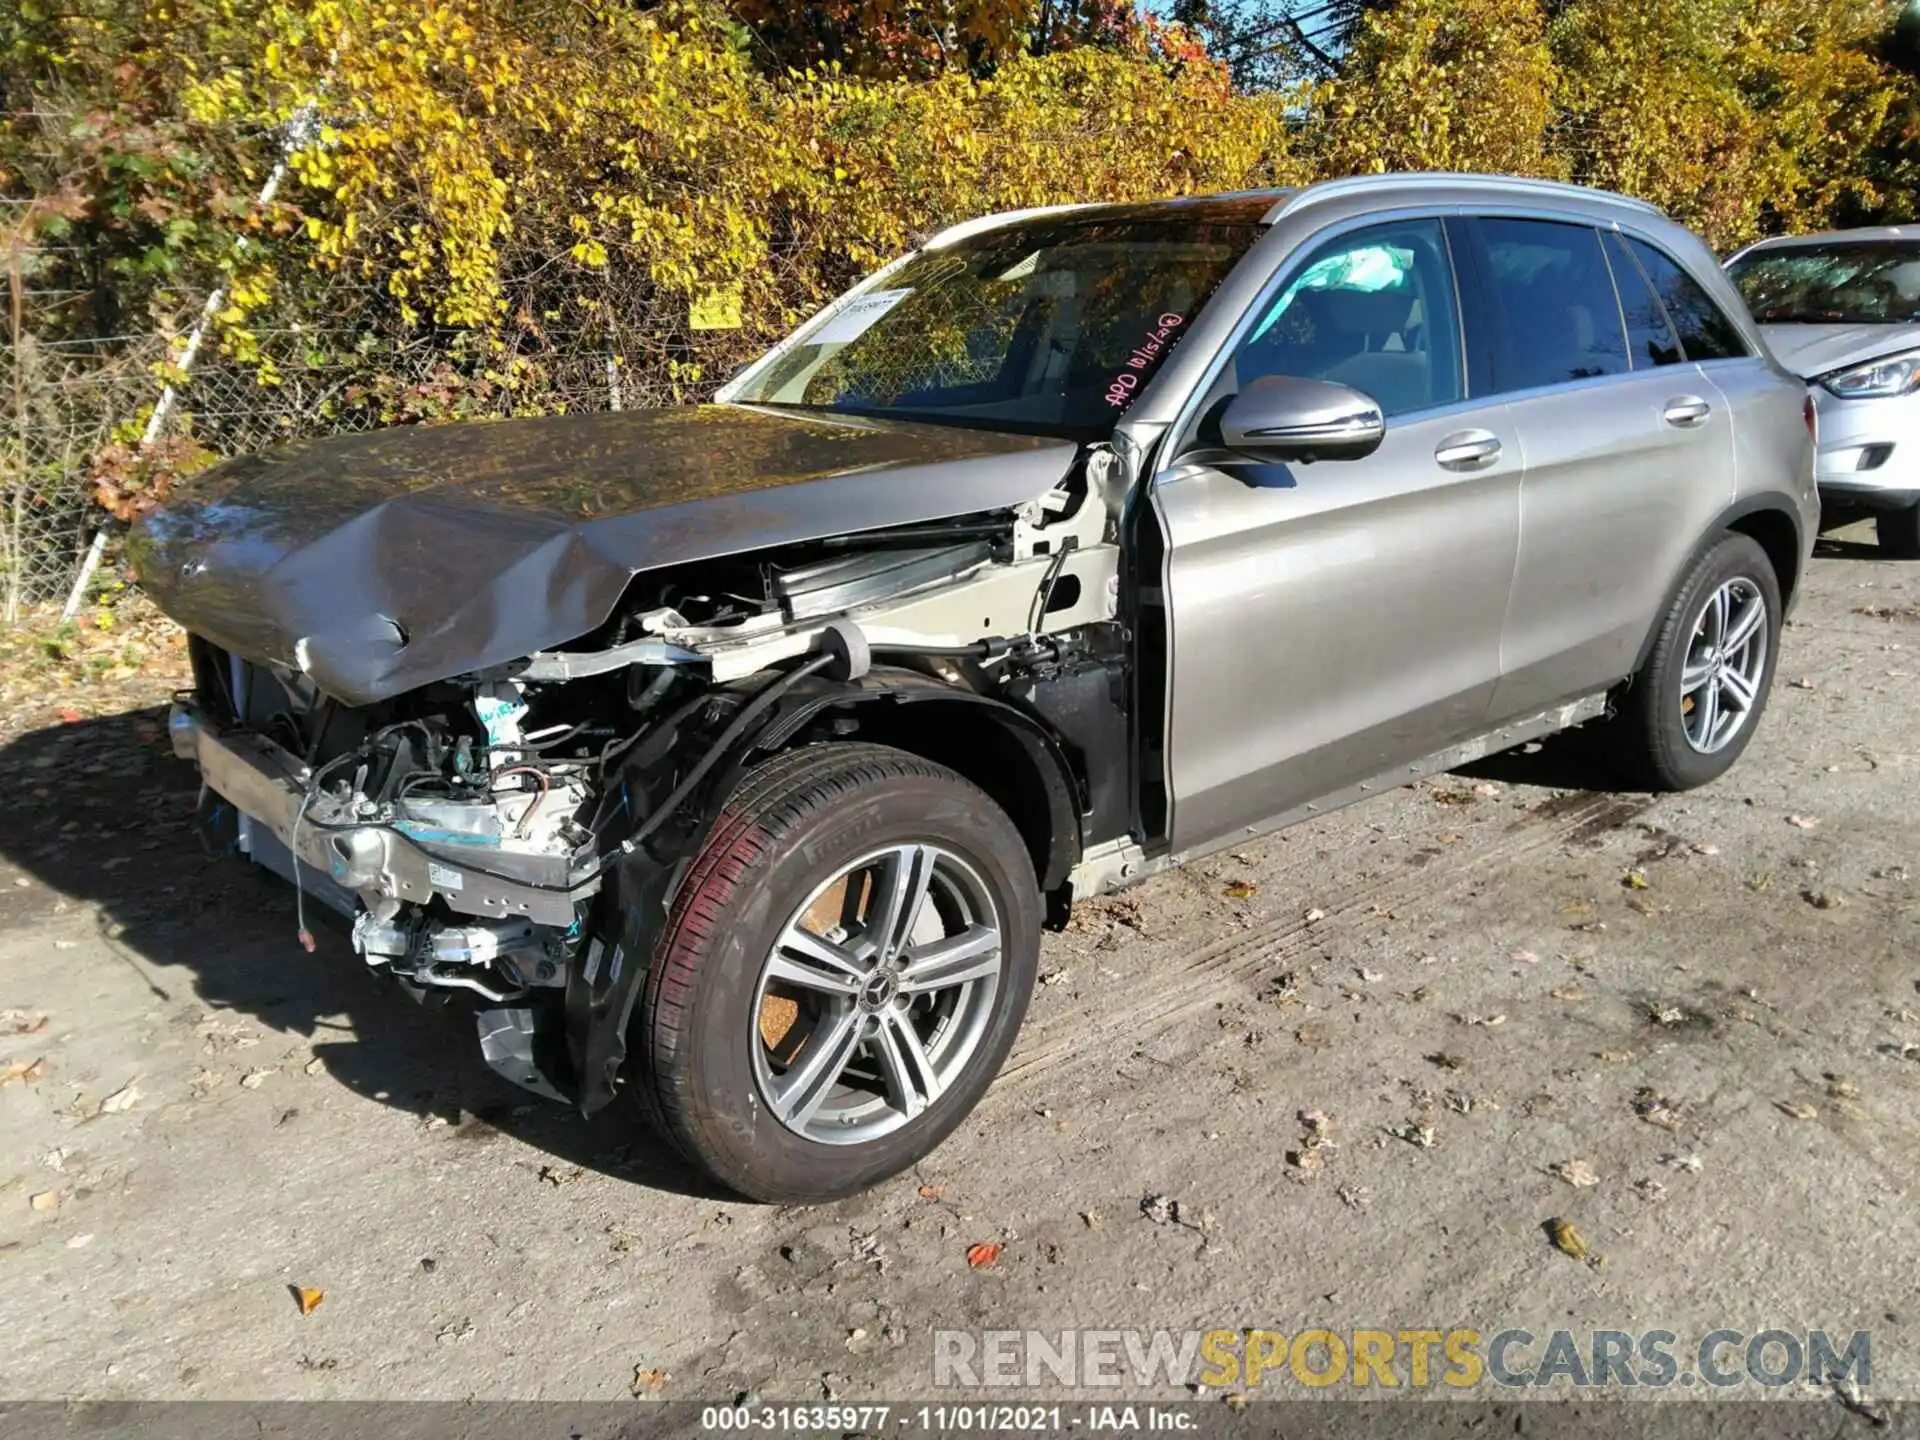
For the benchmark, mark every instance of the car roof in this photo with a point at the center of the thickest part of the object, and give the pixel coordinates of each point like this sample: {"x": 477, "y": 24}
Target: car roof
{"x": 1866, "y": 233}
{"x": 1264, "y": 207}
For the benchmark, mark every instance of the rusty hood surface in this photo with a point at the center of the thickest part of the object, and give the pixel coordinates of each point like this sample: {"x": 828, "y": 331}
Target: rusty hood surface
{"x": 414, "y": 554}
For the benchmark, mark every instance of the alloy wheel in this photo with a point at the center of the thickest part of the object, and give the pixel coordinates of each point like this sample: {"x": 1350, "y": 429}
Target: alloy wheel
{"x": 1726, "y": 664}
{"x": 877, "y": 994}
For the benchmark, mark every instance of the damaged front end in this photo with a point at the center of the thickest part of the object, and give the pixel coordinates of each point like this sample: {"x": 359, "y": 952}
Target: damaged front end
{"x": 512, "y": 835}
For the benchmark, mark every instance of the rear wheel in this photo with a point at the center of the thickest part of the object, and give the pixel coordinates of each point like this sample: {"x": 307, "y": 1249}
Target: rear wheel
{"x": 1899, "y": 532}
{"x": 1695, "y": 704}
{"x": 842, "y": 975}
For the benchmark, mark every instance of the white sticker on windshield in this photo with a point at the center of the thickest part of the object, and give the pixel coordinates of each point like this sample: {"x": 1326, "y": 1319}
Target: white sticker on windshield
{"x": 860, "y": 313}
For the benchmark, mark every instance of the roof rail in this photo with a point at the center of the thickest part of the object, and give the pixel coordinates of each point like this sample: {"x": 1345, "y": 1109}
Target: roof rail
{"x": 1425, "y": 179}
{"x": 981, "y": 223}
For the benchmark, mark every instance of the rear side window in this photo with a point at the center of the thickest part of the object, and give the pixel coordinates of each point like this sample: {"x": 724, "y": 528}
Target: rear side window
{"x": 1650, "y": 335}
{"x": 1705, "y": 331}
{"x": 1554, "y": 313}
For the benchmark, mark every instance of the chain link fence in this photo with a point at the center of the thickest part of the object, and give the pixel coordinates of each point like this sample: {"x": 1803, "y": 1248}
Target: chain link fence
{"x": 68, "y": 401}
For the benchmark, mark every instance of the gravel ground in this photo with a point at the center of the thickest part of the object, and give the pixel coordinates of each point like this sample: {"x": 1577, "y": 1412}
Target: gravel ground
{"x": 1488, "y": 987}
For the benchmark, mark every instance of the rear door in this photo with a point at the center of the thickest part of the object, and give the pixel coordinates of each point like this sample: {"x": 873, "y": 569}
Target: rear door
{"x": 1627, "y": 448}
{"x": 1331, "y": 621}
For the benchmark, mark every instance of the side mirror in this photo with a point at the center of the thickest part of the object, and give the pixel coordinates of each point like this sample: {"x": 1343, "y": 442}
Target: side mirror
{"x": 1289, "y": 417}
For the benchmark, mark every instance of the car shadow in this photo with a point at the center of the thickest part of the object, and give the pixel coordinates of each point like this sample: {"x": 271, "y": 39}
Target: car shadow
{"x": 1570, "y": 760}
{"x": 128, "y": 842}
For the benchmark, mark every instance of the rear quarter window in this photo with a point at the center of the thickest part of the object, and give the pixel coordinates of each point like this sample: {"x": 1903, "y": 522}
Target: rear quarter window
{"x": 1704, "y": 329}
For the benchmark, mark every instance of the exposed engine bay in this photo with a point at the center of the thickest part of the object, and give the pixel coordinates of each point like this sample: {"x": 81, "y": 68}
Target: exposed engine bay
{"x": 489, "y": 835}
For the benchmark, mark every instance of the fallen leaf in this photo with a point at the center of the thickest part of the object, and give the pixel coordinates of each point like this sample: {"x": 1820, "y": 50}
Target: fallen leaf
{"x": 984, "y": 1255}
{"x": 1445, "y": 1061}
{"x": 1704, "y": 847}
{"x": 254, "y": 1079}
{"x": 1798, "y": 1109}
{"x": 45, "y": 1200}
{"x": 1421, "y": 1136}
{"x": 1803, "y": 822}
{"x": 649, "y": 1382}
{"x": 307, "y": 1298}
{"x": 1241, "y": 890}
{"x": 1656, "y": 1109}
{"x": 1092, "y": 1219}
{"x": 1823, "y": 899}
{"x": 1313, "y": 1035}
{"x": 1056, "y": 977}
{"x": 123, "y": 1099}
{"x": 1371, "y": 977}
{"x": 1315, "y": 915}
{"x": 1635, "y": 880}
{"x": 1577, "y": 1173}
{"x": 1487, "y": 1020}
{"x": 314, "y": 1066}
{"x": 930, "y": 1192}
{"x": 18, "y": 1024}
{"x": 26, "y": 1072}
{"x": 1355, "y": 1197}
{"x": 79, "y": 1242}
{"x": 1615, "y": 1057}
{"x": 1692, "y": 1164}
{"x": 1566, "y": 1239}
{"x": 1566, "y": 992}
{"x": 1526, "y": 957}
{"x": 1839, "y": 1089}
{"x": 1650, "y": 1190}
{"x": 1160, "y": 1209}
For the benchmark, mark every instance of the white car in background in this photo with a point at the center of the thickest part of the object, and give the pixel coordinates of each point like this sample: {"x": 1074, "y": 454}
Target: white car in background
{"x": 1842, "y": 311}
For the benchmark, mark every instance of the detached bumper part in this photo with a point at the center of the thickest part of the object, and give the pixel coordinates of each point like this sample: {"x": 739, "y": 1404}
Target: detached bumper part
{"x": 266, "y": 784}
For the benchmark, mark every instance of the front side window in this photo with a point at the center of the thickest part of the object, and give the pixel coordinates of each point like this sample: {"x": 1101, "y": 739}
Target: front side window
{"x": 1555, "y": 317}
{"x": 1374, "y": 310}
{"x": 1857, "y": 282}
{"x": 1049, "y": 326}
{"x": 1705, "y": 331}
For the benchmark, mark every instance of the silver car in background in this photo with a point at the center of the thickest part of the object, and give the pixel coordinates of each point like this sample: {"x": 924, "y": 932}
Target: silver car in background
{"x": 1842, "y": 310}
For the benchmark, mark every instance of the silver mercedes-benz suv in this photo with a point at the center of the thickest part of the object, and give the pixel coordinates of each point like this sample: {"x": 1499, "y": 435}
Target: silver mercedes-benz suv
{"x": 730, "y": 760}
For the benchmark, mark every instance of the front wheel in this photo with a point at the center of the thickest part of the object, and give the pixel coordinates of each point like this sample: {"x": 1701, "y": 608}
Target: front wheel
{"x": 1693, "y": 707}
{"x": 842, "y": 975}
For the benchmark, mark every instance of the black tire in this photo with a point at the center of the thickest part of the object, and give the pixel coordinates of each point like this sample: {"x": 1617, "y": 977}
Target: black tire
{"x": 792, "y": 824}
{"x": 1648, "y": 732}
{"x": 1899, "y": 532}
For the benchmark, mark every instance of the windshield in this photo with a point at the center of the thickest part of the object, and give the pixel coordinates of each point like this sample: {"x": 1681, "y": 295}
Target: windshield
{"x": 1861, "y": 282}
{"x": 1050, "y": 327}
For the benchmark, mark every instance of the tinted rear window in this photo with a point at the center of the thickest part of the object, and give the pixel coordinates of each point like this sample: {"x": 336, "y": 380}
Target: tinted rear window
{"x": 1705, "y": 331}
{"x": 1557, "y": 316}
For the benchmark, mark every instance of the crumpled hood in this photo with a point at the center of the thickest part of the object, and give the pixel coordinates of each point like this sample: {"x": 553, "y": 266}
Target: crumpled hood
{"x": 1811, "y": 351}
{"x": 413, "y": 554}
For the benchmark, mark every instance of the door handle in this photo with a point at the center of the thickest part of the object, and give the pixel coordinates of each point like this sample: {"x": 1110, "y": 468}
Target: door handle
{"x": 1686, "y": 411}
{"x": 1468, "y": 450}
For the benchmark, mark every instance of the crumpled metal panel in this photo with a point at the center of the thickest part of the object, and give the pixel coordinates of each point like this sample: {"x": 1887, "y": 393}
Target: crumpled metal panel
{"x": 413, "y": 554}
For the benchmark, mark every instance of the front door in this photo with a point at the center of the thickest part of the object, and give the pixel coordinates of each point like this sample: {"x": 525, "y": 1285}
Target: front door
{"x": 1331, "y": 621}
